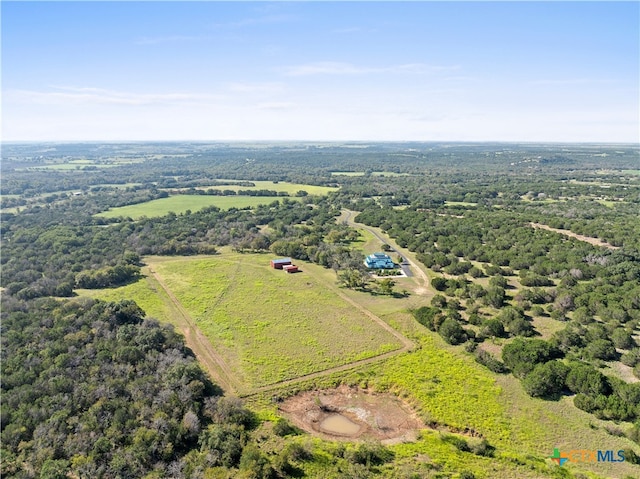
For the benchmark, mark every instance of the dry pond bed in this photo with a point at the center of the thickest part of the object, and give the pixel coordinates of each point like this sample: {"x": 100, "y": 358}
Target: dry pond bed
{"x": 347, "y": 413}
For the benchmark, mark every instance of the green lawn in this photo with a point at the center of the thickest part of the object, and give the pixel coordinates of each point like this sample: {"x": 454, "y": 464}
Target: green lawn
{"x": 181, "y": 203}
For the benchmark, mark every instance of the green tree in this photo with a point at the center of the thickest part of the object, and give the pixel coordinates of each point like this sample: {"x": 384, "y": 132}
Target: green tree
{"x": 494, "y": 328}
{"x": 622, "y": 339}
{"x": 452, "y": 332}
{"x": 584, "y": 378}
{"x": 385, "y": 286}
{"x": 546, "y": 379}
{"x": 522, "y": 355}
{"x": 353, "y": 279}
{"x": 600, "y": 349}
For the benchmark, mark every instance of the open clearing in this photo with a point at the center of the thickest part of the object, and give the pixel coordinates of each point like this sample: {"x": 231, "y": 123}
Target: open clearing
{"x": 268, "y": 325}
{"x": 265, "y": 325}
{"x": 279, "y": 186}
{"x": 363, "y": 173}
{"x": 181, "y": 203}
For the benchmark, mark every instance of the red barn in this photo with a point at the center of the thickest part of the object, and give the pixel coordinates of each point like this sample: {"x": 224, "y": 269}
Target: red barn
{"x": 278, "y": 263}
{"x": 290, "y": 268}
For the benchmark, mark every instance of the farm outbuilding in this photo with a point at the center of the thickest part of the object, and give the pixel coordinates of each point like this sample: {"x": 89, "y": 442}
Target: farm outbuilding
{"x": 379, "y": 261}
{"x": 279, "y": 263}
{"x": 290, "y": 268}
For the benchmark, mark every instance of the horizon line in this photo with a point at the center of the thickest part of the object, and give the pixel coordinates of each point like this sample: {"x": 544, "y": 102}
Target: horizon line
{"x": 249, "y": 140}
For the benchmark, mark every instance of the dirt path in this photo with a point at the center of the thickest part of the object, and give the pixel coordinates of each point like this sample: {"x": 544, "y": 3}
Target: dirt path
{"x": 405, "y": 253}
{"x": 198, "y": 342}
{"x": 586, "y": 239}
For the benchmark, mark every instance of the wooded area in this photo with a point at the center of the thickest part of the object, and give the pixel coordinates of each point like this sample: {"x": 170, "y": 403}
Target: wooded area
{"x": 98, "y": 390}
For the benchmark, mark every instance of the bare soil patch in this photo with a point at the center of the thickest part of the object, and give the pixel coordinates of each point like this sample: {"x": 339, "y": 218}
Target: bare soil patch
{"x": 347, "y": 414}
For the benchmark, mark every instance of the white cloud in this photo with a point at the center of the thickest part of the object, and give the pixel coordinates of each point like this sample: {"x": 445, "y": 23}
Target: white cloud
{"x": 90, "y": 95}
{"x": 339, "y": 68}
{"x": 263, "y": 88}
{"x": 570, "y": 81}
{"x": 275, "y": 105}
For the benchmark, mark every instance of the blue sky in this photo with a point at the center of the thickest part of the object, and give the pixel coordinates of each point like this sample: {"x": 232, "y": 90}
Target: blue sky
{"x": 453, "y": 71}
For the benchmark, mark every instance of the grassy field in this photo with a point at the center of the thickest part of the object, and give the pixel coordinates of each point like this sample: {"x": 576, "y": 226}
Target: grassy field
{"x": 144, "y": 292}
{"x": 268, "y": 326}
{"x": 373, "y": 173}
{"x": 280, "y": 186}
{"x": 70, "y": 166}
{"x": 271, "y": 326}
{"x": 181, "y": 203}
{"x": 459, "y": 203}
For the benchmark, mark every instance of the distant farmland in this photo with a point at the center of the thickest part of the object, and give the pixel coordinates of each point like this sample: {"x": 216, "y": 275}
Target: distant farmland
{"x": 280, "y": 186}
{"x": 181, "y": 203}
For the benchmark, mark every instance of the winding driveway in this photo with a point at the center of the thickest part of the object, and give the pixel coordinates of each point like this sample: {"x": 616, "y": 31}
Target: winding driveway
{"x": 410, "y": 263}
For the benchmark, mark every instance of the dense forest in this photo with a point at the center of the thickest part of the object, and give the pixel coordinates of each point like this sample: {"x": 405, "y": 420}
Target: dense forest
{"x": 96, "y": 389}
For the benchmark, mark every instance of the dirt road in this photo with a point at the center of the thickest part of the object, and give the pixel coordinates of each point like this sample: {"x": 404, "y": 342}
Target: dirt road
{"x": 586, "y": 239}
{"x": 198, "y": 342}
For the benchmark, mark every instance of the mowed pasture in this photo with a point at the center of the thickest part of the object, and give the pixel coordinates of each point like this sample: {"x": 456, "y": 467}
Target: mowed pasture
{"x": 279, "y": 186}
{"x": 270, "y": 326}
{"x": 181, "y": 203}
{"x": 267, "y": 325}
{"x": 363, "y": 173}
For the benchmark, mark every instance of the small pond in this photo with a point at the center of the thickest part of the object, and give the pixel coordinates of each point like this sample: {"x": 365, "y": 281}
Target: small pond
{"x": 338, "y": 424}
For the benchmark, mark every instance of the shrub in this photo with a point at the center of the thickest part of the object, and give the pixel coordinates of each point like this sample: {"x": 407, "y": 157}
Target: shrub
{"x": 634, "y": 432}
{"x": 482, "y": 448}
{"x": 282, "y": 428}
{"x": 369, "y": 453}
{"x": 439, "y": 301}
{"x": 493, "y": 327}
{"x": 522, "y": 355}
{"x": 600, "y": 349}
{"x": 546, "y": 379}
{"x": 470, "y": 346}
{"x": 452, "y": 332}
{"x": 488, "y": 360}
{"x": 631, "y": 358}
{"x": 631, "y": 457}
{"x": 460, "y": 443}
{"x": 584, "y": 378}
{"x": 440, "y": 284}
{"x": 622, "y": 339}
{"x": 428, "y": 317}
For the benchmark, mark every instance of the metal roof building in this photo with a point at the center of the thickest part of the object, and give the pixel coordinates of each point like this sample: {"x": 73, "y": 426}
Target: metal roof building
{"x": 379, "y": 261}
{"x": 278, "y": 263}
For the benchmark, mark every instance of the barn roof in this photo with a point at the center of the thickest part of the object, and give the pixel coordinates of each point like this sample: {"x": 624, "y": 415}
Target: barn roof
{"x": 281, "y": 260}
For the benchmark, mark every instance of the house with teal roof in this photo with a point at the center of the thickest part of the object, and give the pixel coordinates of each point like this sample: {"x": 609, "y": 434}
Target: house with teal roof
{"x": 379, "y": 261}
